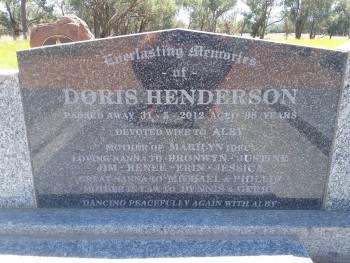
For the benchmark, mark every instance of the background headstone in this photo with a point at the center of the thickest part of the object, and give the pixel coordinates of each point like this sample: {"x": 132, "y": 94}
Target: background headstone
{"x": 338, "y": 190}
{"x": 16, "y": 179}
{"x": 68, "y": 28}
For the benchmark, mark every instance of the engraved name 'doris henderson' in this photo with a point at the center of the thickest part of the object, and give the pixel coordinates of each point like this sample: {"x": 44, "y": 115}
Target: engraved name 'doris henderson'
{"x": 180, "y": 97}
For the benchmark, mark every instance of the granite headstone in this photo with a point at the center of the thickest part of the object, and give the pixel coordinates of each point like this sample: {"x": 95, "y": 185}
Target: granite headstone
{"x": 181, "y": 119}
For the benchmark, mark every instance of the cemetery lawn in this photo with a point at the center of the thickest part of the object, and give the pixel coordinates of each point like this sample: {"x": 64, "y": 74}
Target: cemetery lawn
{"x": 8, "y": 48}
{"x": 324, "y": 43}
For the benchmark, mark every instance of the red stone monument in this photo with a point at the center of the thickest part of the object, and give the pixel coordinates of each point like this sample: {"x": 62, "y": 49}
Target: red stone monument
{"x": 68, "y": 28}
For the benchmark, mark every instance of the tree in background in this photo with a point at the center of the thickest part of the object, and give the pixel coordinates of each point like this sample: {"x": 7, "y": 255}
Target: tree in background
{"x": 319, "y": 12}
{"x": 260, "y": 15}
{"x": 287, "y": 23}
{"x": 40, "y": 11}
{"x": 246, "y": 21}
{"x": 62, "y": 6}
{"x": 205, "y": 14}
{"x": 229, "y": 24}
{"x": 297, "y": 12}
{"x": 120, "y": 17}
{"x": 36, "y": 11}
{"x": 338, "y": 22}
{"x": 312, "y": 16}
{"x": 10, "y": 19}
{"x": 149, "y": 15}
{"x": 101, "y": 14}
{"x": 24, "y": 18}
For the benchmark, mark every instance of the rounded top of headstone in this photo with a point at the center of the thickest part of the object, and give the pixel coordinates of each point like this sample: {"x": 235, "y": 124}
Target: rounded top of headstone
{"x": 68, "y": 28}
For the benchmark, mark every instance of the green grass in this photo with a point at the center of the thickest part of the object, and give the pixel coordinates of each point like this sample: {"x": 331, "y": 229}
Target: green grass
{"x": 8, "y": 48}
{"x": 325, "y": 43}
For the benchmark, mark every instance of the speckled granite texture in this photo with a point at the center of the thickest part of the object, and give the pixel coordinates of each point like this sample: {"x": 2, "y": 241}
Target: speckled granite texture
{"x": 16, "y": 188}
{"x": 181, "y": 119}
{"x": 16, "y": 184}
{"x": 153, "y": 247}
{"x": 325, "y": 235}
{"x": 338, "y": 195}
{"x": 243, "y": 259}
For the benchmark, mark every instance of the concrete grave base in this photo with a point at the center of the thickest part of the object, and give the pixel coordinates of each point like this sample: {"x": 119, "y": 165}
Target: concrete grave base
{"x": 243, "y": 259}
{"x": 140, "y": 233}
